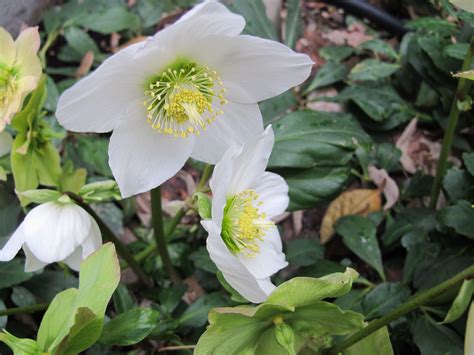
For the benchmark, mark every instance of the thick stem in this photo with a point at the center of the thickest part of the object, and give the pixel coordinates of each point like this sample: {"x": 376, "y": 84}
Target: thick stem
{"x": 21, "y": 310}
{"x": 204, "y": 177}
{"x": 49, "y": 41}
{"x": 109, "y": 235}
{"x": 416, "y": 301}
{"x": 462, "y": 90}
{"x": 160, "y": 236}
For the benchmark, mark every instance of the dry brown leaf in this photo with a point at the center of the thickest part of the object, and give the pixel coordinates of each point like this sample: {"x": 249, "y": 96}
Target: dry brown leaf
{"x": 359, "y": 201}
{"x": 403, "y": 143}
{"x": 353, "y": 36}
{"x": 86, "y": 64}
{"x": 383, "y": 181}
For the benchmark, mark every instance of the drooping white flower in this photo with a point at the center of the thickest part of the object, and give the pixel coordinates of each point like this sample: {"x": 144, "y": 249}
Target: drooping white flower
{"x": 20, "y": 70}
{"x": 243, "y": 240}
{"x": 190, "y": 90}
{"x": 52, "y": 232}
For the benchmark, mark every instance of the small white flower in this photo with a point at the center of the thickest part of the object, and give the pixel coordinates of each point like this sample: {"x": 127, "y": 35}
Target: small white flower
{"x": 190, "y": 90}
{"x": 243, "y": 240}
{"x": 52, "y": 232}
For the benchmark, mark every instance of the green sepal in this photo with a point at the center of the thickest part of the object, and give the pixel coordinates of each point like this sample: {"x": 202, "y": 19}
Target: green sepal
{"x": 285, "y": 337}
{"x": 203, "y": 204}
{"x": 100, "y": 191}
{"x": 20, "y": 346}
{"x": 38, "y": 196}
{"x": 72, "y": 180}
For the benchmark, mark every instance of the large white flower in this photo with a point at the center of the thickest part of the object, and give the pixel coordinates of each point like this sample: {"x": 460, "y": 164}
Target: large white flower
{"x": 190, "y": 90}
{"x": 243, "y": 240}
{"x": 52, "y": 232}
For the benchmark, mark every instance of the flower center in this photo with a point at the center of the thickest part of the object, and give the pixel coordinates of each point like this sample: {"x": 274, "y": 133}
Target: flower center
{"x": 182, "y": 99}
{"x": 243, "y": 225}
{"x": 8, "y": 83}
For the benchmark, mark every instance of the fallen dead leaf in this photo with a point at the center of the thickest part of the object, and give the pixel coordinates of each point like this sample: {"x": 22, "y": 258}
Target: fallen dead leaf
{"x": 359, "y": 201}
{"x": 384, "y": 182}
{"x": 403, "y": 143}
{"x": 194, "y": 290}
{"x": 325, "y": 106}
{"x": 353, "y": 36}
{"x": 86, "y": 64}
{"x": 297, "y": 217}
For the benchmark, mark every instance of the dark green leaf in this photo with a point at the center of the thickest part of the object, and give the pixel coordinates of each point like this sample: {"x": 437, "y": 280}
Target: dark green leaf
{"x": 203, "y": 261}
{"x": 22, "y": 297}
{"x": 303, "y": 252}
{"x": 196, "y": 314}
{"x": 434, "y": 339}
{"x": 3, "y": 319}
{"x": 275, "y": 107}
{"x": 130, "y": 327}
{"x": 12, "y": 273}
{"x": 378, "y": 47}
{"x": 460, "y": 217}
{"x": 384, "y": 298}
{"x": 459, "y": 185}
{"x": 468, "y": 159}
{"x": 359, "y": 235}
{"x": 112, "y": 19}
{"x": 336, "y": 54}
{"x": 257, "y": 22}
{"x": 123, "y": 299}
{"x": 294, "y": 22}
{"x": 372, "y": 69}
{"x": 328, "y": 74}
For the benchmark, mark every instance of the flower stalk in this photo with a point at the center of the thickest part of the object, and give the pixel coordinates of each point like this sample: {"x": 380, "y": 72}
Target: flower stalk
{"x": 109, "y": 235}
{"x": 160, "y": 236}
{"x": 462, "y": 90}
{"x": 416, "y": 301}
{"x": 22, "y": 310}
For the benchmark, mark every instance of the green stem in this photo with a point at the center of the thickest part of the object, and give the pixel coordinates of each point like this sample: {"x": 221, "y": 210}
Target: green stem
{"x": 49, "y": 41}
{"x": 204, "y": 177}
{"x": 462, "y": 90}
{"x": 26, "y": 309}
{"x": 109, "y": 235}
{"x": 416, "y": 301}
{"x": 160, "y": 236}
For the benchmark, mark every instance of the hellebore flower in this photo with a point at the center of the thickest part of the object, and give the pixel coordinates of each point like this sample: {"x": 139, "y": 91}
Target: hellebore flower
{"x": 243, "y": 241}
{"x": 189, "y": 91}
{"x": 20, "y": 71}
{"x": 52, "y": 232}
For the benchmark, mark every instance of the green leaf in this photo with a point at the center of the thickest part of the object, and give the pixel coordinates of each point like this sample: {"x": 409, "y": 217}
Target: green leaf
{"x": 100, "y": 191}
{"x": 3, "y": 319}
{"x": 306, "y": 139}
{"x": 39, "y": 196}
{"x": 459, "y": 184}
{"x": 372, "y": 69}
{"x": 80, "y": 42}
{"x": 13, "y": 273}
{"x": 196, "y": 314}
{"x": 461, "y": 302}
{"x": 457, "y": 50}
{"x": 89, "y": 152}
{"x": 304, "y": 291}
{"x": 460, "y": 217}
{"x": 257, "y": 22}
{"x": 309, "y": 187}
{"x": 378, "y": 47}
{"x": 294, "y": 22}
{"x": 10, "y": 210}
{"x": 130, "y": 327}
{"x": 111, "y": 19}
{"x": 468, "y": 159}
{"x": 432, "y": 24}
{"x": 377, "y": 343}
{"x": 203, "y": 204}
{"x": 20, "y": 346}
{"x": 72, "y": 180}
{"x": 57, "y": 315}
{"x": 276, "y": 107}
{"x": 285, "y": 337}
{"x": 83, "y": 334}
{"x": 23, "y": 120}
{"x": 202, "y": 260}
{"x": 336, "y": 54}
{"x": 359, "y": 235}
{"x": 123, "y": 299}
{"x": 303, "y": 252}
{"x": 384, "y": 298}
{"x": 22, "y": 297}
{"x": 434, "y": 339}
{"x": 330, "y": 73}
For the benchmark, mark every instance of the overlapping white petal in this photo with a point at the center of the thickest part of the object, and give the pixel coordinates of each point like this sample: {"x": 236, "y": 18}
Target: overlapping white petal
{"x": 244, "y": 169}
{"x": 54, "y": 232}
{"x": 111, "y": 99}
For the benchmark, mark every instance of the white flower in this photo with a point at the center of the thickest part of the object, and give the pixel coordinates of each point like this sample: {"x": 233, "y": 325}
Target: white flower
{"x": 243, "y": 241}
{"x": 52, "y": 232}
{"x": 190, "y": 90}
{"x": 20, "y": 70}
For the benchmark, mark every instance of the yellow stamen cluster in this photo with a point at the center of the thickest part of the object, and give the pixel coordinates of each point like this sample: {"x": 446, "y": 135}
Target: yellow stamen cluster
{"x": 8, "y": 83}
{"x": 243, "y": 225}
{"x": 182, "y": 100}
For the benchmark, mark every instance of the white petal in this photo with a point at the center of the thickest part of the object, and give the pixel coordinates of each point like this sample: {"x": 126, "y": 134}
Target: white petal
{"x": 219, "y": 184}
{"x": 252, "y": 69}
{"x": 239, "y": 124}
{"x": 6, "y": 142}
{"x": 74, "y": 260}
{"x": 273, "y": 193}
{"x": 93, "y": 240}
{"x": 54, "y": 230}
{"x": 7, "y": 54}
{"x": 100, "y": 100}
{"x": 251, "y": 163}
{"x": 27, "y": 44}
{"x": 32, "y": 263}
{"x": 205, "y": 19}
{"x": 234, "y": 272}
{"x": 269, "y": 260}
{"x": 142, "y": 158}
{"x": 13, "y": 245}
